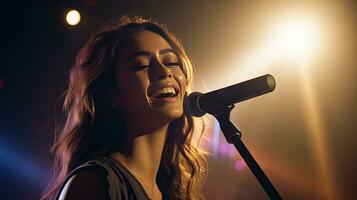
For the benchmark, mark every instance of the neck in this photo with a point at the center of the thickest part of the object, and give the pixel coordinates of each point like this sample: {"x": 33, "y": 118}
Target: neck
{"x": 143, "y": 156}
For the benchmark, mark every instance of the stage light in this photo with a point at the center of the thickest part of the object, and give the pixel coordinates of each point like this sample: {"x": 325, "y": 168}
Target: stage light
{"x": 215, "y": 138}
{"x": 239, "y": 165}
{"x": 18, "y": 162}
{"x": 73, "y": 17}
{"x": 223, "y": 149}
{"x": 298, "y": 36}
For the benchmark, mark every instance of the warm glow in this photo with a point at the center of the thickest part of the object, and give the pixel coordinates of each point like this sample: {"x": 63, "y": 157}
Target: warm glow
{"x": 73, "y": 17}
{"x": 293, "y": 38}
{"x": 298, "y": 36}
{"x": 317, "y": 133}
{"x": 291, "y": 41}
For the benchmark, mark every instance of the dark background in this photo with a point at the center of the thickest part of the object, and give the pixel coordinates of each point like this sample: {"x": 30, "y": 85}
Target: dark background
{"x": 38, "y": 49}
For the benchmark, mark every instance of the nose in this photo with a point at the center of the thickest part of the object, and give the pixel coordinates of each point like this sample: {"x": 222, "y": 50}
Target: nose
{"x": 159, "y": 71}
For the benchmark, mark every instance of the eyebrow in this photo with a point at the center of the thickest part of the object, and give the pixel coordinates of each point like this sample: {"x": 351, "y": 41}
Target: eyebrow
{"x": 146, "y": 53}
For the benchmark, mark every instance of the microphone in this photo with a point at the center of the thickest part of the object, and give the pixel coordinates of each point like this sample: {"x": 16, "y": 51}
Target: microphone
{"x": 217, "y": 100}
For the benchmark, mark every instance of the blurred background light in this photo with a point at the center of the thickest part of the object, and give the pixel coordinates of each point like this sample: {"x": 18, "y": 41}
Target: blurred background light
{"x": 73, "y": 17}
{"x": 239, "y": 165}
{"x": 299, "y": 35}
{"x": 215, "y": 138}
{"x": 21, "y": 165}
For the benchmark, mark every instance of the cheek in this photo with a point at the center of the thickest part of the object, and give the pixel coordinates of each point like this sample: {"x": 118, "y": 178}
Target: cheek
{"x": 132, "y": 88}
{"x": 183, "y": 83}
{"x": 181, "y": 78}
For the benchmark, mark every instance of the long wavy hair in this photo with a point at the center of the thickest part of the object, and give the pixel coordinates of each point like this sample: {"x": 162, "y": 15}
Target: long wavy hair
{"x": 91, "y": 128}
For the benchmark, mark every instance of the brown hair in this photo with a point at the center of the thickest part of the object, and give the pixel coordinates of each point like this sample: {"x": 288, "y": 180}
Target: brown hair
{"x": 183, "y": 167}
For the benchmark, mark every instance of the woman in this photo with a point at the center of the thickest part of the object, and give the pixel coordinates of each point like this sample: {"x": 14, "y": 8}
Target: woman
{"x": 126, "y": 134}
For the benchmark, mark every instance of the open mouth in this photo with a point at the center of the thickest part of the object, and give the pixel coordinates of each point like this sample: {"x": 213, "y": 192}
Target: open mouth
{"x": 166, "y": 92}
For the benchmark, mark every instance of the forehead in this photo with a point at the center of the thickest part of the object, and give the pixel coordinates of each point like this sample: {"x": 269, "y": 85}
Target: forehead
{"x": 142, "y": 41}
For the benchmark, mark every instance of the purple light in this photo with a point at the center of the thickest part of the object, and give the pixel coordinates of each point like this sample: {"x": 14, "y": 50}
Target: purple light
{"x": 223, "y": 149}
{"x": 232, "y": 152}
{"x": 216, "y": 131}
{"x": 239, "y": 165}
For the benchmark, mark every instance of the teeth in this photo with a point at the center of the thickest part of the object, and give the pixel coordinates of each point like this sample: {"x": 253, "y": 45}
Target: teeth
{"x": 164, "y": 91}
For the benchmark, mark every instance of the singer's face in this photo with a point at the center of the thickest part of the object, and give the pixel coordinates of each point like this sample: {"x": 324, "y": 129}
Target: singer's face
{"x": 150, "y": 82}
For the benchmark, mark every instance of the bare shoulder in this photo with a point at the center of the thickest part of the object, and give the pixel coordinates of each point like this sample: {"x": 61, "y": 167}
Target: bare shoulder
{"x": 85, "y": 184}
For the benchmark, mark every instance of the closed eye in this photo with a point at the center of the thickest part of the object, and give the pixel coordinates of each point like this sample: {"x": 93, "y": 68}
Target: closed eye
{"x": 140, "y": 67}
{"x": 172, "y": 64}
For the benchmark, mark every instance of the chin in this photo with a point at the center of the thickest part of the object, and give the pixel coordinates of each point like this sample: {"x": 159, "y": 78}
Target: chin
{"x": 170, "y": 115}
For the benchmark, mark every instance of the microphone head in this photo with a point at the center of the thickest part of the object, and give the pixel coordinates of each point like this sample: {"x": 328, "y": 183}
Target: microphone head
{"x": 270, "y": 82}
{"x": 192, "y": 104}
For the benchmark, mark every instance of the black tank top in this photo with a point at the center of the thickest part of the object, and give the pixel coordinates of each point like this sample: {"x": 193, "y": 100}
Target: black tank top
{"x": 122, "y": 185}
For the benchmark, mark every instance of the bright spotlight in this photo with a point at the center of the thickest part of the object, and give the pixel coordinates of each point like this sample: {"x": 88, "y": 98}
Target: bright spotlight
{"x": 298, "y": 36}
{"x": 73, "y": 17}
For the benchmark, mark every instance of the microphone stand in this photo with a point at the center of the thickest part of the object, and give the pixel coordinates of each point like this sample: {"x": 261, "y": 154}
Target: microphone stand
{"x": 233, "y": 136}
